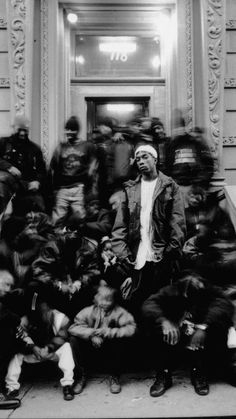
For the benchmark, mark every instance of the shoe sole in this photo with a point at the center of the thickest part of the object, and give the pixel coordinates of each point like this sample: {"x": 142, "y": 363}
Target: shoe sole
{"x": 10, "y": 404}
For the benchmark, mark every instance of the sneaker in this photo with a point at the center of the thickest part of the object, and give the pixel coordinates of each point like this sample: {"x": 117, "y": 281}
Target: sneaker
{"x": 68, "y": 393}
{"x": 11, "y": 394}
{"x": 199, "y": 382}
{"x": 115, "y": 386}
{"x": 8, "y": 403}
{"x": 162, "y": 382}
{"x": 79, "y": 385}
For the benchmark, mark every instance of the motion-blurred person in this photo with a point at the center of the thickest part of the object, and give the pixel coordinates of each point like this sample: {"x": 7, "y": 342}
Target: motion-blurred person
{"x": 190, "y": 160}
{"x": 71, "y": 169}
{"x": 194, "y": 315}
{"x": 23, "y": 160}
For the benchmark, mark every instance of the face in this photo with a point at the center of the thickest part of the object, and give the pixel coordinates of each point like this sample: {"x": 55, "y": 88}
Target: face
{"x": 105, "y": 300}
{"x": 6, "y": 283}
{"x": 71, "y": 135}
{"x": 22, "y": 134}
{"x": 146, "y": 162}
{"x": 93, "y": 209}
{"x": 195, "y": 199}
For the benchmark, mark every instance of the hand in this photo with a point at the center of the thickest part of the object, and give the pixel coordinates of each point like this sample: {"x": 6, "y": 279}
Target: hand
{"x": 14, "y": 171}
{"x": 97, "y": 341}
{"x": 33, "y": 186}
{"x": 37, "y": 352}
{"x": 75, "y": 287}
{"x": 198, "y": 340}
{"x": 170, "y": 332}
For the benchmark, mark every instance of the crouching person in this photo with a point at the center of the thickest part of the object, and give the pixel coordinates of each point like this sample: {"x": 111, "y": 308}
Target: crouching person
{"x": 48, "y": 330}
{"x": 101, "y": 329}
{"x": 193, "y": 315}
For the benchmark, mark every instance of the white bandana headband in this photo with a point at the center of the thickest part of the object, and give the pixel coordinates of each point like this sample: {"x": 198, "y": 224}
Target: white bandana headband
{"x": 146, "y": 148}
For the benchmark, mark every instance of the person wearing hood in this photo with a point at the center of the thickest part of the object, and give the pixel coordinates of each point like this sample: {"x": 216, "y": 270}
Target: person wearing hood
{"x": 194, "y": 315}
{"x": 22, "y": 160}
{"x": 149, "y": 228}
{"x": 71, "y": 171}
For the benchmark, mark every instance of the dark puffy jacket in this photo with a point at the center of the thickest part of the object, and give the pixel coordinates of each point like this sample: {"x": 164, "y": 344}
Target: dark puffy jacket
{"x": 168, "y": 220}
{"x": 26, "y": 156}
{"x": 210, "y": 307}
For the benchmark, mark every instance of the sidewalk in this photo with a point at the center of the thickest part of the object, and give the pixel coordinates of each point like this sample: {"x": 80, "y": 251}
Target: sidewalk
{"x": 43, "y": 399}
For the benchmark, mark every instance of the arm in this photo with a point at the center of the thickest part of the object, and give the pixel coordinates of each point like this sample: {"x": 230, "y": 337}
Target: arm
{"x": 101, "y": 227}
{"x": 45, "y": 266}
{"x": 119, "y": 237}
{"x": 82, "y": 327}
{"x": 177, "y": 223}
{"x": 125, "y": 327}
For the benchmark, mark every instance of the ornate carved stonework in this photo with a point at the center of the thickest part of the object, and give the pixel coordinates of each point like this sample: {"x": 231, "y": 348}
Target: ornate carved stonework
{"x": 4, "y": 82}
{"x": 17, "y": 39}
{"x": 229, "y": 141}
{"x": 231, "y": 24}
{"x": 215, "y": 33}
{"x": 188, "y": 34}
{"x": 230, "y": 82}
{"x": 3, "y": 23}
{"x": 44, "y": 80}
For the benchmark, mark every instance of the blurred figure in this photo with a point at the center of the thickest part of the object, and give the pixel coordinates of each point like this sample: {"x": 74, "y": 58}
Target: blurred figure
{"x": 189, "y": 158}
{"x": 71, "y": 168}
{"x": 47, "y": 329}
{"x": 22, "y": 159}
{"x": 190, "y": 315}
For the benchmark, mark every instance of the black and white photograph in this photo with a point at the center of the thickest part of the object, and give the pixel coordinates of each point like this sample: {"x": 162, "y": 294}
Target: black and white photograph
{"x": 117, "y": 209}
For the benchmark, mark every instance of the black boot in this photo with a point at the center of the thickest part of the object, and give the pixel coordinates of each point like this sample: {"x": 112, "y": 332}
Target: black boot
{"x": 162, "y": 382}
{"x": 199, "y": 382}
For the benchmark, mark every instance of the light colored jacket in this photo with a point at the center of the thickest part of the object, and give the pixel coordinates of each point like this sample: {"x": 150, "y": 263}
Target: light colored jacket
{"x": 118, "y": 322}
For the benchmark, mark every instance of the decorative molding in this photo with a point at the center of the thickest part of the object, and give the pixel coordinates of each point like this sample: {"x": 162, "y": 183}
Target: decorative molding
{"x": 189, "y": 60}
{"x": 231, "y": 24}
{"x": 229, "y": 141}
{"x": 3, "y": 23}
{"x": 215, "y": 33}
{"x": 44, "y": 80}
{"x": 17, "y": 50}
{"x": 230, "y": 82}
{"x": 4, "y": 82}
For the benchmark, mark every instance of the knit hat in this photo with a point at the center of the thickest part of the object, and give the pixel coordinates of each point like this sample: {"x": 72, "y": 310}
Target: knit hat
{"x": 146, "y": 148}
{"x": 72, "y": 124}
{"x": 21, "y": 122}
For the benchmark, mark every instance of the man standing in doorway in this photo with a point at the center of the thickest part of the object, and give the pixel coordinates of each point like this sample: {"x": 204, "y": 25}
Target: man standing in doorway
{"x": 149, "y": 228}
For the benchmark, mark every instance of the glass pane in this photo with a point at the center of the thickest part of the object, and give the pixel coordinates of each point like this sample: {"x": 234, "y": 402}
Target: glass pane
{"x": 114, "y": 57}
{"x": 120, "y": 113}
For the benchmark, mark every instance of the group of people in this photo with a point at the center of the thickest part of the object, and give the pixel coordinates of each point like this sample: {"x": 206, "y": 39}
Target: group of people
{"x": 103, "y": 249}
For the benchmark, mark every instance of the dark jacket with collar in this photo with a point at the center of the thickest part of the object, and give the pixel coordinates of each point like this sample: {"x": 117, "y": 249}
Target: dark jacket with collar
{"x": 168, "y": 220}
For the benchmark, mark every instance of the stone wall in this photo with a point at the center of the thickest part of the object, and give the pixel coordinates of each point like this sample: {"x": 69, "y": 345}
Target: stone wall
{"x": 5, "y": 123}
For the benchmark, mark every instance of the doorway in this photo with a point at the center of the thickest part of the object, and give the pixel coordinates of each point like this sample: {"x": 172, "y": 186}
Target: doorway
{"x": 121, "y": 111}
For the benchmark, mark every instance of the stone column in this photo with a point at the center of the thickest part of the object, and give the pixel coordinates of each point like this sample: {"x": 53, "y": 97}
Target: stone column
{"x": 213, "y": 29}
{"x": 20, "y": 16}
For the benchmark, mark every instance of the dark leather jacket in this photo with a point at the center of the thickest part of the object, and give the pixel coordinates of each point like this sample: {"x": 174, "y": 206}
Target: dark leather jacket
{"x": 168, "y": 220}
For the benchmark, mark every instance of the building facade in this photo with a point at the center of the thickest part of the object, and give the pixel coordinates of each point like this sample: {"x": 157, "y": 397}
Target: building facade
{"x": 51, "y": 68}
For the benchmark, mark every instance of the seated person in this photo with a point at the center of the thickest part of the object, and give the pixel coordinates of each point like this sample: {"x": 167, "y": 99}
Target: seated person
{"x": 194, "y": 315}
{"x": 13, "y": 337}
{"x": 21, "y": 240}
{"x": 48, "y": 330}
{"x": 69, "y": 262}
{"x": 101, "y": 329}
{"x": 212, "y": 253}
